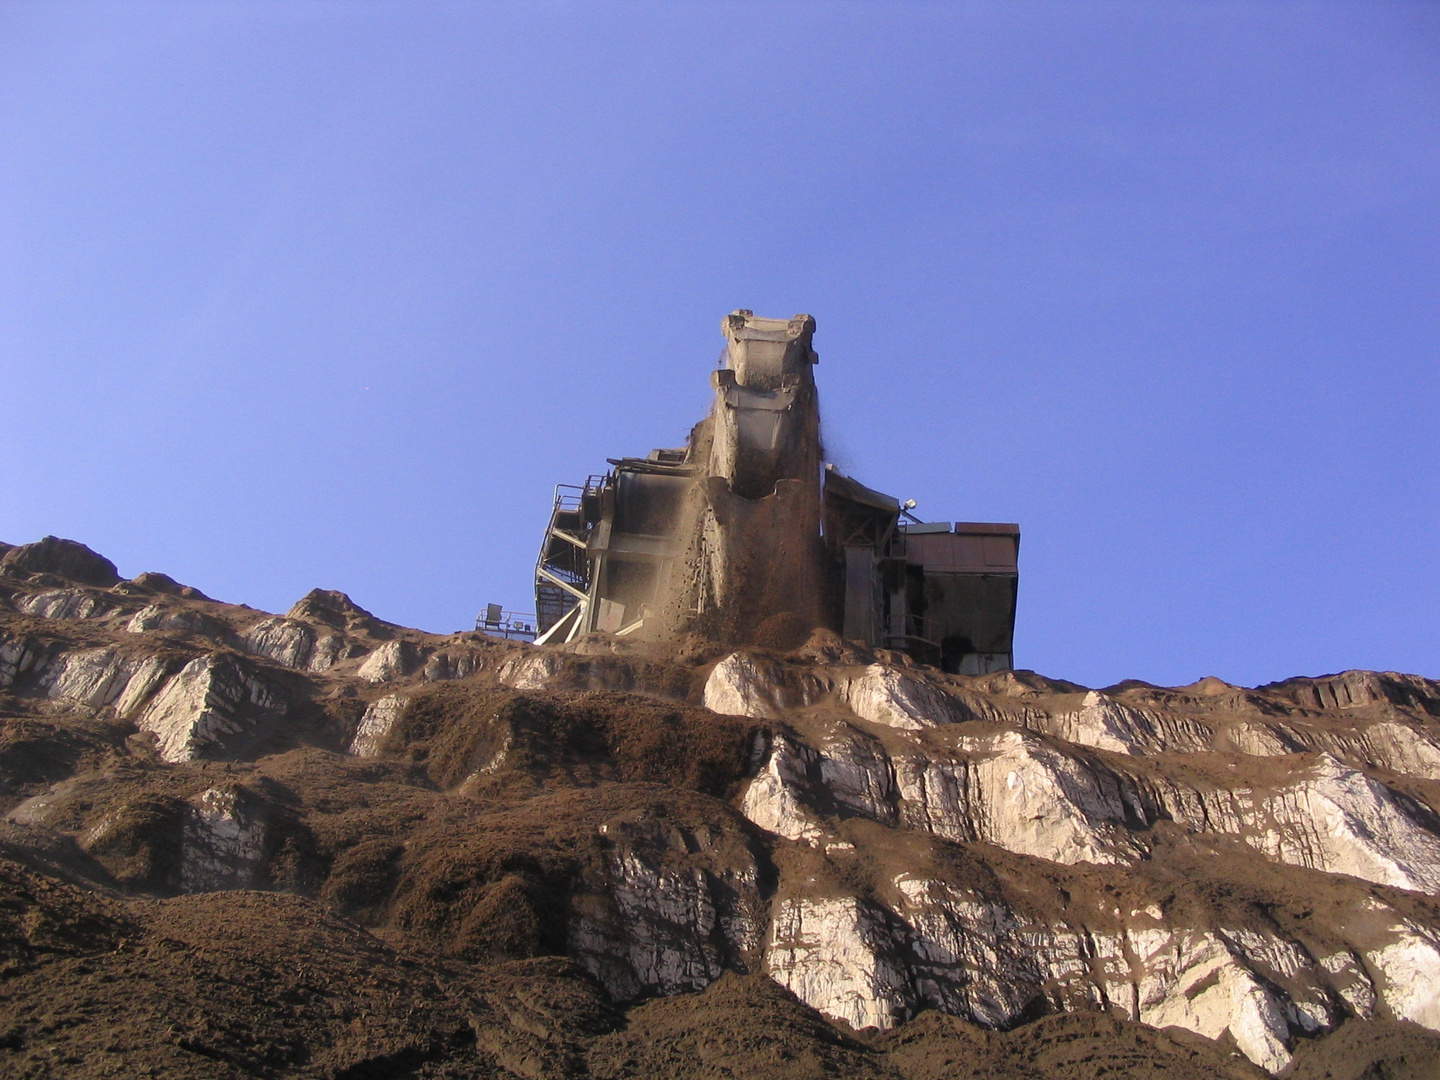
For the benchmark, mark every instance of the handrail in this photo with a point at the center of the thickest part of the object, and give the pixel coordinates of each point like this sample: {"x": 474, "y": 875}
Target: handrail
{"x": 511, "y": 625}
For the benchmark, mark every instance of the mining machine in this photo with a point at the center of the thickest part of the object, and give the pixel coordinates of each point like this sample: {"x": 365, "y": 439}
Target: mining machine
{"x": 746, "y": 523}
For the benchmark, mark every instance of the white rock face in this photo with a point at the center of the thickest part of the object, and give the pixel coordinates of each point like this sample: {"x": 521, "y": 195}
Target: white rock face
{"x": 452, "y": 664}
{"x": 1110, "y": 725}
{"x": 65, "y": 604}
{"x": 1021, "y": 795}
{"x": 222, "y": 842}
{"x": 1033, "y": 800}
{"x": 935, "y": 796}
{"x": 1305, "y": 995}
{"x": 973, "y": 957}
{"x": 1335, "y": 819}
{"x": 912, "y": 699}
{"x": 933, "y": 944}
{"x": 1255, "y": 740}
{"x": 898, "y": 785}
{"x": 19, "y": 656}
{"x": 668, "y": 921}
{"x": 1410, "y": 969}
{"x": 776, "y": 798}
{"x": 1107, "y": 724}
{"x": 380, "y": 717}
{"x": 211, "y": 705}
{"x": 893, "y": 697}
{"x": 285, "y": 641}
{"x": 183, "y": 620}
{"x": 147, "y": 676}
{"x": 93, "y": 677}
{"x": 531, "y": 672}
{"x": 741, "y": 685}
{"x": 331, "y": 649}
{"x": 947, "y": 948}
{"x": 1393, "y": 746}
{"x": 105, "y": 677}
{"x": 855, "y": 772}
{"x": 393, "y": 660}
{"x": 1195, "y": 983}
{"x": 831, "y": 952}
{"x": 1351, "y": 982}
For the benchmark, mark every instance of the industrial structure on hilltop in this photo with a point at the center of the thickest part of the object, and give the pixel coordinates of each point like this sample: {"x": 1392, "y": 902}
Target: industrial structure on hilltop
{"x": 746, "y": 524}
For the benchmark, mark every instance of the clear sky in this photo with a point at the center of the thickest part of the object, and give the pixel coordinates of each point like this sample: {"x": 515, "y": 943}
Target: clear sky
{"x": 332, "y": 294}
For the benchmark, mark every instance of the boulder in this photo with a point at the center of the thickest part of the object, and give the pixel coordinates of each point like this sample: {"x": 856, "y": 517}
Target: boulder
{"x": 212, "y": 707}
{"x": 393, "y": 660}
{"x": 223, "y": 843}
{"x": 742, "y": 685}
{"x": 376, "y": 725}
{"x": 285, "y": 641}
{"x": 180, "y": 620}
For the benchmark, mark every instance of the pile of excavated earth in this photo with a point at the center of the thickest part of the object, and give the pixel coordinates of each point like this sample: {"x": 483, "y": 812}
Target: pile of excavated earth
{"x": 237, "y": 844}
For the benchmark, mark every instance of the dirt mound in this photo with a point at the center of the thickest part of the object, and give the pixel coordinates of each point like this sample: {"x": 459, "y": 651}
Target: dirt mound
{"x": 1380, "y": 1050}
{"x": 1074, "y": 1046}
{"x": 1078, "y": 1046}
{"x": 247, "y": 984}
{"x": 741, "y": 1027}
{"x": 36, "y": 752}
{"x": 43, "y": 919}
{"x": 783, "y": 632}
{"x": 459, "y": 732}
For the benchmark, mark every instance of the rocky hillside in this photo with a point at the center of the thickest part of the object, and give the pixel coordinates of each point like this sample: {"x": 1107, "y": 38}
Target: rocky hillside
{"x": 319, "y": 844}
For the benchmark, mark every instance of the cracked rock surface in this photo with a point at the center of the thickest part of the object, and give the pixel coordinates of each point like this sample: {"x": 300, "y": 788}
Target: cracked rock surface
{"x": 238, "y": 843}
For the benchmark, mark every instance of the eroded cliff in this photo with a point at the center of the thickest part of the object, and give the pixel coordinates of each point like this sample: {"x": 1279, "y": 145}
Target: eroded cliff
{"x": 238, "y": 843}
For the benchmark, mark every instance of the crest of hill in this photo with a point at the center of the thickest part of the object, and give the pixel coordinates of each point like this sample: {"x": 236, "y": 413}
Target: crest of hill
{"x": 335, "y": 609}
{"x": 66, "y": 559}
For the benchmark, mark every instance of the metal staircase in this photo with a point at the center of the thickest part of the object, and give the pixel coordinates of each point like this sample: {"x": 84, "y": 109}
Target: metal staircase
{"x": 562, "y": 573}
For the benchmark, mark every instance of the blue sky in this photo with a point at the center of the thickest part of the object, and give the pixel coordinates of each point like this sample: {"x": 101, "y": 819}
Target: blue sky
{"x": 314, "y": 294}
